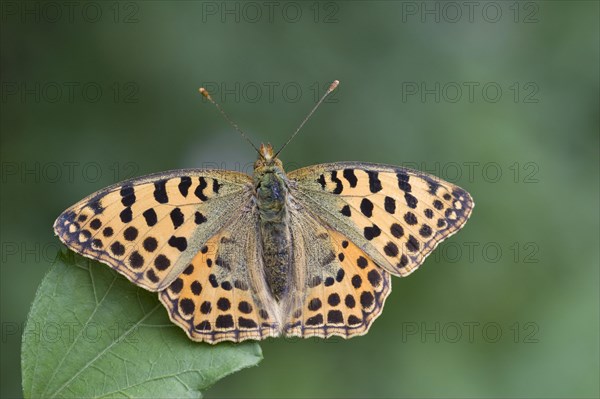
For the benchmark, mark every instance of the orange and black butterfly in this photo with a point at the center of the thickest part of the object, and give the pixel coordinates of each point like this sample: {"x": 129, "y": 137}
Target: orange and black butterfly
{"x": 237, "y": 257}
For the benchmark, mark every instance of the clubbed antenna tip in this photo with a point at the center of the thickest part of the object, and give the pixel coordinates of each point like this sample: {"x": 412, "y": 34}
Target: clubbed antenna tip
{"x": 206, "y": 94}
{"x": 331, "y": 88}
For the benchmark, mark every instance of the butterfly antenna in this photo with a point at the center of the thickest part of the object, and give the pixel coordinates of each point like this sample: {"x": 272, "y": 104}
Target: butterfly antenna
{"x": 331, "y": 88}
{"x": 205, "y": 93}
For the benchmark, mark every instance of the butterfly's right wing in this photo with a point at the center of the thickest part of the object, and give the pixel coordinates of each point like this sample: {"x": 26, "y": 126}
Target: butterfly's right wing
{"x": 338, "y": 289}
{"x": 353, "y": 224}
{"x": 396, "y": 215}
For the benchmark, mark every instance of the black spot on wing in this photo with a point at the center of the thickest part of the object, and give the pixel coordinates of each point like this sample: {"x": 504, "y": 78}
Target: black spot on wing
{"x": 412, "y": 244}
{"x": 178, "y": 242}
{"x": 196, "y": 287}
{"x": 204, "y": 326}
{"x": 130, "y": 233}
{"x": 151, "y": 275}
{"x": 411, "y": 201}
{"x": 95, "y": 205}
{"x": 127, "y": 195}
{"x": 315, "y": 320}
{"x": 117, "y": 248}
{"x": 126, "y": 215}
{"x": 334, "y": 299}
{"x": 187, "y": 306}
{"x": 69, "y": 216}
{"x": 136, "y": 260}
{"x": 206, "y": 307}
{"x": 366, "y": 299}
{"x": 160, "y": 191}
{"x": 162, "y": 262}
{"x": 216, "y": 186}
{"x": 246, "y": 323}
{"x": 314, "y": 304}
{"x": 176, "y": 217}
{"x": 362, "y": 262}
{"x": 372, "y": 232}
{"x": 225, "y": 321}
{"x": 391, "y": 249}
{"x": 390, "y": 205}
{"x": 349, "y": 301}
{"x": 335, "y": 317}
{"x": 432, "y": 184}
{"x": 176, "y": 286}
{"x": 374, "y": 182}
{"x": 410, "y": 218}
{"x": 245, "y": 307}
{"x": 199, "y": 218}
{"x": 150, "y": 216}
{"x": 338, "y": 183}
{"x": 403, "y": 183}
{"x": 346, "y": 211}
{"x": 321, "y": 181}
{"x": 374, "y": 278}
{"x": 199, "y": 192}
{"x": 425, "y": 231}
{"x": 350, "y": 176}
{"x": 184, "y": 185}
{"x": 223, "y": 304}
{"x": 366, "y": 207}
{"x": 397, "y": 230}
{"x": 95, "y": 224}
{"x": 403, "y": 261}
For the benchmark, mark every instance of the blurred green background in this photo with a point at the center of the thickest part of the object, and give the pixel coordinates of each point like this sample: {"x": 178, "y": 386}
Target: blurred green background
{"x": 501, "y": 98}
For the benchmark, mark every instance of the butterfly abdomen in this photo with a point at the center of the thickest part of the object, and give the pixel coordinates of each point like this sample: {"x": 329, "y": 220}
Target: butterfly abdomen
{"x": 275, "y": 237}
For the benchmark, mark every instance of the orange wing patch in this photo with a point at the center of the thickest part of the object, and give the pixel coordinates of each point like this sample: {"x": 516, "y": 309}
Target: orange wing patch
{"x": 345, "y": 304}
{"x": 212, "y": 306}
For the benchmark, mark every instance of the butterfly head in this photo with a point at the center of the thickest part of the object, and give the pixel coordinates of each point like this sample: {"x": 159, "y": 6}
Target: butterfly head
{"x": 266, "y": 152}
{"x": 267, "y": 160}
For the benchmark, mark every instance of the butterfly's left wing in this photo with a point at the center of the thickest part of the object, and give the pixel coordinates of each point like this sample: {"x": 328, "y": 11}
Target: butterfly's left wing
{"x": 189, "y": 234}
{"x": 222, "y": 295}
{"x": 150, "y": 228}
{"x": 397, "y": 216}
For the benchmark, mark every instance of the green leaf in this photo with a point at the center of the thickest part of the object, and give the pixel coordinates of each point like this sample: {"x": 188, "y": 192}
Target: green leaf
{"x": 92, "y": 333}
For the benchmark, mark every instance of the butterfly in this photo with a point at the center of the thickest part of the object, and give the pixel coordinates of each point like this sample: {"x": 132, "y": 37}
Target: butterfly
{"x": 235, "y": 257}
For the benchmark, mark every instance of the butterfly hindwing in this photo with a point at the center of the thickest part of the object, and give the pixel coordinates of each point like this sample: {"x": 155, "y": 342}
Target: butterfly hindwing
{"x": 396, "y": 215}
{"x": 149, "y": 229}
{"x": 341, "y": 290}
{"x": 221, "y": 295}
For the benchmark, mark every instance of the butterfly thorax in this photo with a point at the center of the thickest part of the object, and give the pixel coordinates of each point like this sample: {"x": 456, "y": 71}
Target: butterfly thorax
{"x": 271, "y": 194}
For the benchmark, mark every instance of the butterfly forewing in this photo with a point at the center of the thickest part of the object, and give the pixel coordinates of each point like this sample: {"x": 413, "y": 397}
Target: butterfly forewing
{"x": 396, "y": 215}
{"x": 150, "y": 229}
